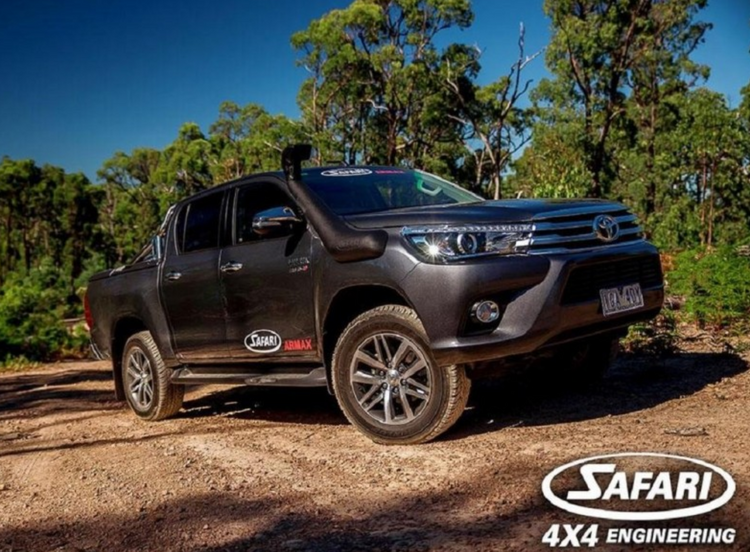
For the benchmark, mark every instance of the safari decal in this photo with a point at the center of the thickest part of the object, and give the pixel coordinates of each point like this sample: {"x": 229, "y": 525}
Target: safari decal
{"x": 263, "y": 341}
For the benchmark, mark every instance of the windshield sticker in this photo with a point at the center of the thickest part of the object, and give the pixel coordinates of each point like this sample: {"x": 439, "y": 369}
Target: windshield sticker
{"x": 390, "y": 171}
{"x": 263, "y": 341}
{"x": 346, "y": 172}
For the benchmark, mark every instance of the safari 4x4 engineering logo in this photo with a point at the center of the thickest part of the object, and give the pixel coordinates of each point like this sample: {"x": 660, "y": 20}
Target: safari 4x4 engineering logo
{"x": 627, "y": 487}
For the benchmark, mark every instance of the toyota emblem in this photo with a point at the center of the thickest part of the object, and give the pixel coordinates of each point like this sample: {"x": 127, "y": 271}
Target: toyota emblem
{"x": 606, "y": 228}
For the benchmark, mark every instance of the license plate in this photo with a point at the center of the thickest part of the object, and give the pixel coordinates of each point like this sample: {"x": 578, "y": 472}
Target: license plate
{"x": 621, "y": 299}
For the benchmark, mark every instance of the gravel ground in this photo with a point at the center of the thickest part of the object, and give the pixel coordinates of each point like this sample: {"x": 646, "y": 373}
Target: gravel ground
{"x": 268, "y": 469}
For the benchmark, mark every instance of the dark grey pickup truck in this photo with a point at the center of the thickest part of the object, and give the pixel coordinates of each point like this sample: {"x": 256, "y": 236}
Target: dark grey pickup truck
{"x": 392, "y": 287}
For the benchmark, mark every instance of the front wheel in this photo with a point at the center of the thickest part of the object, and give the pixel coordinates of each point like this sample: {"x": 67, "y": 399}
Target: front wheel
{"x": 388, "y": 383}
{"x": 148, "y": 389}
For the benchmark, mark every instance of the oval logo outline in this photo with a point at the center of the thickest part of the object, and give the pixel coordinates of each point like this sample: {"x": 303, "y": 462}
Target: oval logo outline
{"x": 344, "y": 171}
{"x": 606, "y": 228}
{"x": 262, "y": 349}
{"x": 658, "y": 515}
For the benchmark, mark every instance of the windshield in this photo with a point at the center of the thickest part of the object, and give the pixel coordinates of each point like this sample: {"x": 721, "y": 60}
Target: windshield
{"x": 355, "y": 190}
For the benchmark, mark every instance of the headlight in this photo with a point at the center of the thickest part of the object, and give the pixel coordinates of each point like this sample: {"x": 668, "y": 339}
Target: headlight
{"x": 444, "y": 244}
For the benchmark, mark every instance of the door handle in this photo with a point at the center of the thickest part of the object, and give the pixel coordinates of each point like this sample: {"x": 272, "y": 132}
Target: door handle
{"x": 231, "y": 267}
{"x": 173, "y": 276}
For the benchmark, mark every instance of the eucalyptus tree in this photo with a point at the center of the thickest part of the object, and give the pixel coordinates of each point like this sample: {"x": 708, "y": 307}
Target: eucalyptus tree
{"x": 374, "y": 74}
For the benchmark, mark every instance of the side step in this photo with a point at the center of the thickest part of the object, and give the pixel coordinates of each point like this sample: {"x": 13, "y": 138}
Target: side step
{"x": 221, "y": 375}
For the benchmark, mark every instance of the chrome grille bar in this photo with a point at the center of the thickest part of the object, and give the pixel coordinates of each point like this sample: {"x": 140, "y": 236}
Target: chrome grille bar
{"x": 571, "y": 230}
{"x": 541, "y": 226}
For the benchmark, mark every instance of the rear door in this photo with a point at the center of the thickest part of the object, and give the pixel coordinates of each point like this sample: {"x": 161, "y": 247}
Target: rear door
{"x": 267, "y": 282}
{"x": 190, "y": 280}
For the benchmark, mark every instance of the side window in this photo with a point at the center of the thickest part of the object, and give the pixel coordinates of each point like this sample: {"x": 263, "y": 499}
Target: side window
{"x": 253, "y": 199}
{"x": 198, "y": 224}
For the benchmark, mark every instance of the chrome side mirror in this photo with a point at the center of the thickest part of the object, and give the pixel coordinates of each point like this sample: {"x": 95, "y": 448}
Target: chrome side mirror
{"x": 273, "y": 219}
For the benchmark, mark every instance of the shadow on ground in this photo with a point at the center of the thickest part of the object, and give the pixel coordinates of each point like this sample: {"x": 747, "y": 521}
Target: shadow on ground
{"x": 292, "y": 405}
{"x": 636, "y": 382}
{"x": 54, "y": 392}
{"x": 229, "y": 522}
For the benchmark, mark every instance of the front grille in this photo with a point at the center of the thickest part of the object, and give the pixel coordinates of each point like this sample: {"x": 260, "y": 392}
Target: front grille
{"x": 569, "y": 230}
{"x": 585, "y": 282}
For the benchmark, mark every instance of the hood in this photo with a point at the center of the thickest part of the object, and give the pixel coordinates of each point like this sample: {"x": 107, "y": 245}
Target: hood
{"x": 482, "y": 212}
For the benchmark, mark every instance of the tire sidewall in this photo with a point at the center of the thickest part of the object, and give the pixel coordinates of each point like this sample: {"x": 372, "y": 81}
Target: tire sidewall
{"x": 359, "y": 331}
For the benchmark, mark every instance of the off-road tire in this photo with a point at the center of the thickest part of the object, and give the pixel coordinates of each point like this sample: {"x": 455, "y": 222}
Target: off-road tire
{"x": 449, "y": 384}
{"x": 166, "y": 397}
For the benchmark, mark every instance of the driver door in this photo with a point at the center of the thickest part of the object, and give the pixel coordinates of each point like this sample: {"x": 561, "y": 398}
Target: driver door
{"x": 267, "y": 281}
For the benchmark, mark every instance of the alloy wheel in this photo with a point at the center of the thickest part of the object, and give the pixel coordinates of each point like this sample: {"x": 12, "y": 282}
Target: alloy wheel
{"x": 391, "y": 378}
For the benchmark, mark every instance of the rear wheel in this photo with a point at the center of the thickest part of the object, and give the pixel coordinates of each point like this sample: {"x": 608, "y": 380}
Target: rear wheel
{"x": 388, "y": 383}
{"x": 146, "y": 381}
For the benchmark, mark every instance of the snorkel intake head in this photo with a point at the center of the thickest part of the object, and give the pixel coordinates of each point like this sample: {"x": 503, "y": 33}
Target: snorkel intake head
{"x": 344, "y": 243}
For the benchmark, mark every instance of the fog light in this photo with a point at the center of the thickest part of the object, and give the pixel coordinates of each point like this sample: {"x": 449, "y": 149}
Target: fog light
{"x": 485, "y": 312}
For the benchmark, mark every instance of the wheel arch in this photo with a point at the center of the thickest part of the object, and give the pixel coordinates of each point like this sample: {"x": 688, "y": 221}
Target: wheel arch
{"x": 122, "y": 330}
{"x": 346, "y": 305}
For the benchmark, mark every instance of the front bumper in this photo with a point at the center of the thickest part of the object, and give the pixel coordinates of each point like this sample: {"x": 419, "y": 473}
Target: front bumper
{"x": 537, "y": 311}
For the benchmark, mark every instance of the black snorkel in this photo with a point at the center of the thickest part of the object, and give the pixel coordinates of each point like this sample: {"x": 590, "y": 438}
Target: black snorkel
{"x": 344, "y": 243}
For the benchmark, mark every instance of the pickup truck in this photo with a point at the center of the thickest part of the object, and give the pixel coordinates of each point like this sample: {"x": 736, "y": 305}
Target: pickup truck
{"x": 392, "y": 287}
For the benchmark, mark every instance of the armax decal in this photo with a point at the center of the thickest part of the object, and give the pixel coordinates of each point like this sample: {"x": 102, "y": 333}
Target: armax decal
{"x": 304, "y": 344}
{"x": 606, "y": 483}
{"x": 263, "y": 341}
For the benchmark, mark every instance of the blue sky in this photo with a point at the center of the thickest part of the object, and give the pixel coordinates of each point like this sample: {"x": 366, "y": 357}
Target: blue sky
{"x": 81, "y": 79}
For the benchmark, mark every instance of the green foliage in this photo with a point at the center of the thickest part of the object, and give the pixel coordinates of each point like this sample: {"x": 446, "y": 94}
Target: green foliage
{"x": 552, "y": 166}
{"x": 599, "y": 51}
{"x": 33, "y": 306}
{"x": 715, "y": 284}
{"x": 17, "y": 364}
{"x": 656, "y": 337}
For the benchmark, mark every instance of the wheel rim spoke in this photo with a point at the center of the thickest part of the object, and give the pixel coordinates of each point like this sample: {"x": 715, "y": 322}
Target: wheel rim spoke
{"x": 139, "y": 376}
{"x": 405, "y": 403}
{"x": 383, "y": 351}
{"x": 132, "y": 372}
{"x": 391, "y": 378}
{"x": 365, "y": 378}
{"x": 365, "y": 358}
{"x": 416, "y": 367}
{"x": 388, "y": 406}
{"x": 419, "y": 386}
{"x": 400, "y": 354}
{"x": 375, "y": 401}
{"x": 374, "y": 389}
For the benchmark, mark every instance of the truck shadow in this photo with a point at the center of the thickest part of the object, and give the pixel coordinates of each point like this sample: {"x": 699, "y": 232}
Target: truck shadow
{"x": 274, "y": 404}
{"x": 636, "y": 382}
{"x": 48, "y": 393}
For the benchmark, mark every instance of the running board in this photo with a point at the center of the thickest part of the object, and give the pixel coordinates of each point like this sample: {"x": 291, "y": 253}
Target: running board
{"x": 216, "y": 375}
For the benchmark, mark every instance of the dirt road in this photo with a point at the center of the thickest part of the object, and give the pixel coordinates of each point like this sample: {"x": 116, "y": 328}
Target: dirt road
{"x": 258, "y": 469}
